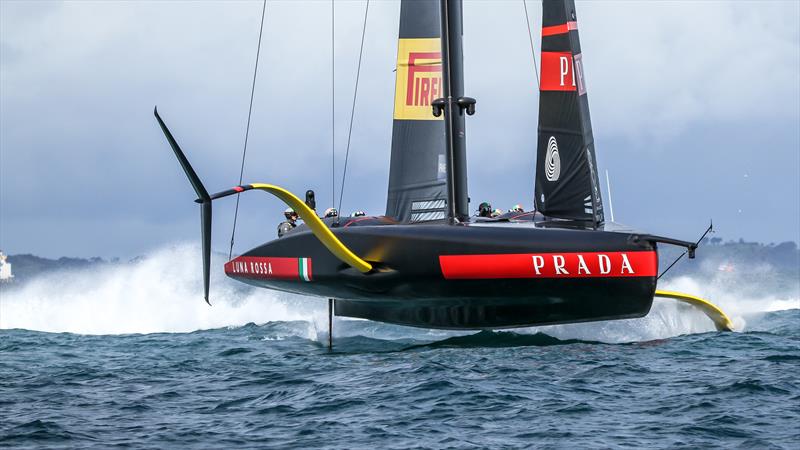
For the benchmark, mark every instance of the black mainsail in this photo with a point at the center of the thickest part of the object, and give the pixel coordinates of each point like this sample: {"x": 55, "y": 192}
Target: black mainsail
{"x": 567, "y": 185}
{"x": 418, "y": 172}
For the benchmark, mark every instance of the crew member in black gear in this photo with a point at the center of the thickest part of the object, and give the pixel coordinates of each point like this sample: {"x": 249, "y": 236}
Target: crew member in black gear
{"x": 485, "y": 209}
{"x": 289, "y": 223}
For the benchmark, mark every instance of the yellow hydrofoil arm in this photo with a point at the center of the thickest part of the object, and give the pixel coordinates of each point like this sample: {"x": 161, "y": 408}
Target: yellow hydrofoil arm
{"x": 722, "y": 322}
{"x": 317, "y": 226}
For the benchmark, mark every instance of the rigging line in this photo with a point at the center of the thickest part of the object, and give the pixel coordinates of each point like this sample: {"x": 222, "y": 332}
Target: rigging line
{"x": 352, "y": 112}
{"x": 710, "y": 229}
{"x": 535, "y": 70}
{"x": 247, "y": 129}
{"x": 670, "y": 266}
{"x": 530, "y": 37}
{"x": 333, "y": 105}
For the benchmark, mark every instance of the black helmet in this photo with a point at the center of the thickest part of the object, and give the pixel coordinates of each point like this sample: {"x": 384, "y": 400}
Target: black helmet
{"x": 485, "y": 209}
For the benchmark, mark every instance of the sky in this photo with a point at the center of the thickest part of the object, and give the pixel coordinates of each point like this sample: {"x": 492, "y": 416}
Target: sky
{"x": 695, "y": 109}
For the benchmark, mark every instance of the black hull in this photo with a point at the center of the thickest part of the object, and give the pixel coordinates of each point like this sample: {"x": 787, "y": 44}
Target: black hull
{"x": 554, "y": 302}
{"x": 415, "y": 285}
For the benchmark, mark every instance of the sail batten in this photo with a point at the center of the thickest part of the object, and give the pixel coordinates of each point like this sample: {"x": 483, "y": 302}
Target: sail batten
{"x": 567, "y": 184}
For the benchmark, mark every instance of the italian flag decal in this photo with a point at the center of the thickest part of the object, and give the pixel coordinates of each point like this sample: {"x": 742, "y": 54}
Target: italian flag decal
{"x": 304, "y": 267}
{"x": 270, "y": 268}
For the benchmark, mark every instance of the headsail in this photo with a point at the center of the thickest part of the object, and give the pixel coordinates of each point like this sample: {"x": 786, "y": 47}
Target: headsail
{"x": 417, "y": 176}
{"x": 567, "y": 185}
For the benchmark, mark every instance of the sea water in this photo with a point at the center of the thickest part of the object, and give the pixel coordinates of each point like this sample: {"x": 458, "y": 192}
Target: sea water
{"x": 130, "y": 355}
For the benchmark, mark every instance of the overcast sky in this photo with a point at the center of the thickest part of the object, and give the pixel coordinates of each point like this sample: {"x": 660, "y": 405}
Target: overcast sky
{"x": 695, "y": 107}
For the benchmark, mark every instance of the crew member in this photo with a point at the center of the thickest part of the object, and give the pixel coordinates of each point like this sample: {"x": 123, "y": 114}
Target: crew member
{"x": 485, "y": 209}
{"x": 517, "y": 209}
{"x": 358, "y": 214}
{"x": 331, "y": 212}
{"x": 289, "y": 223}
{"x": 496, "y": 213}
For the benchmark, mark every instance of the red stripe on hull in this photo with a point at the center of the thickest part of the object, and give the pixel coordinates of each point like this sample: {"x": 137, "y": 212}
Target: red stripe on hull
{"x": 268, "y": 268}
{"x": 550, "y": 265}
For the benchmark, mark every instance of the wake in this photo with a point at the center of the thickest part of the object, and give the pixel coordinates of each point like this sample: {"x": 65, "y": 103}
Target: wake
{"x": 162, "y": 293}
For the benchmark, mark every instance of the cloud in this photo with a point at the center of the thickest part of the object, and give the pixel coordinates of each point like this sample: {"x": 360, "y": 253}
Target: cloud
{"x": 78, "y": 81}
{"x": 666, "y": 65}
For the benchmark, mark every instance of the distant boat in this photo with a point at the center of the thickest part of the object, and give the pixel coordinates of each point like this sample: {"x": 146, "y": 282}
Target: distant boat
{"x": 427, "y": 262}
{"x": 5, "y": 269}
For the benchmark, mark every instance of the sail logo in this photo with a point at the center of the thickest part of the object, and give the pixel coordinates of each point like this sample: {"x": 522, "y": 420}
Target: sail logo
{"x": 578, "y": 74}
{"x": 419, "y": 78}
{"x": 561, "y": 71}
{"x": 553, "y": 168}
{"x": 550, "y": 265}
{"x": 424, "y": 84}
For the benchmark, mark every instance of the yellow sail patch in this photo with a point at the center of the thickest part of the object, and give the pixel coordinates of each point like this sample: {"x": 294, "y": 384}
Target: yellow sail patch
{"x": 419, "y": 78}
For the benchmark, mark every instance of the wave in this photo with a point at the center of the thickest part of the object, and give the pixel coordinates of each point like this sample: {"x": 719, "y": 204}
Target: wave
{"x": 503, "y": 339}
{"x": 162, "y": 293}
{"x": 669, "y": 318}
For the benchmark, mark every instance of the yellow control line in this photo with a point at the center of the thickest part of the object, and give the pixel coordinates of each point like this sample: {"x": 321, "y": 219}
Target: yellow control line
{"x": 722, "y": 322}
{"x": 317, "y": 226}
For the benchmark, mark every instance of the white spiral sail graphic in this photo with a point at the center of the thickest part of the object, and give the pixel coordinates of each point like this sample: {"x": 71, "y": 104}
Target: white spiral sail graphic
{"x": 553, "y": 168}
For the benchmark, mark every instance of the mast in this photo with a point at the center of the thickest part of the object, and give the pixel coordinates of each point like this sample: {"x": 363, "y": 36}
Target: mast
{"x": 454, "y": 105}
